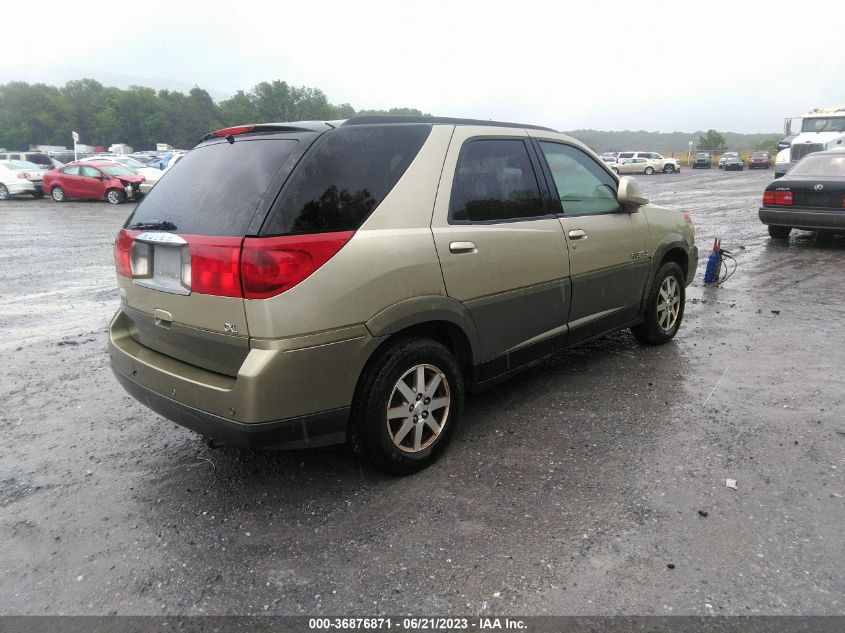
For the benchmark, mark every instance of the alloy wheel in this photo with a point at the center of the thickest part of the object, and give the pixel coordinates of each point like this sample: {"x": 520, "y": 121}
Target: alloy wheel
{"x": 669, "y": 303}
{"x": 418, "y": 408}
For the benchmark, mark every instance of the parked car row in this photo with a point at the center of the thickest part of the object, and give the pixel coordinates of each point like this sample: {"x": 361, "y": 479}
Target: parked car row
{"x": 645, "y": 163}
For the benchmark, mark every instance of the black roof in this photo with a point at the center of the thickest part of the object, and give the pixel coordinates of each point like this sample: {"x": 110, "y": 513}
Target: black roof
{"x": 434, "y": 120}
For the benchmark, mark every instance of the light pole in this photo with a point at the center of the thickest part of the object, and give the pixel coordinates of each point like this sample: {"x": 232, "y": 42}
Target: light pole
{"x": 689, "y": 154}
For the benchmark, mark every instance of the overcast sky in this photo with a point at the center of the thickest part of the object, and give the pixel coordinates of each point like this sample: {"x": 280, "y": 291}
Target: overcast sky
{"x": 632, "y": 64}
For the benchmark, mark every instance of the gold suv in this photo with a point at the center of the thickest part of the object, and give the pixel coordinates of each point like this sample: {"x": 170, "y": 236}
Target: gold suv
{"x": 303, "y": 284}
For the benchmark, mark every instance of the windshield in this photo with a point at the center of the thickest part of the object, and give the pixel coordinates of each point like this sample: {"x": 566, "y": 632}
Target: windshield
{"x": 117, "y": 170}
{"x": 824, "y": 124}
{"x": 19, "y": 164}
{"x": 815, "y": 165}
{"x": 702, "y": 155}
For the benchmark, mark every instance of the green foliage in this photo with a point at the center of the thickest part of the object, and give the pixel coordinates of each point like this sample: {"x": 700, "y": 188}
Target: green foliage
{"x": 712, "y": 141}
{"x": 38, "y": 114}
{"x": 769, "y": 144}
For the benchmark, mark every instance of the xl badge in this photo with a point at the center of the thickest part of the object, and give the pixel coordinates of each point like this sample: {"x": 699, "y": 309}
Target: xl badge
{"x": 819, "y": 187}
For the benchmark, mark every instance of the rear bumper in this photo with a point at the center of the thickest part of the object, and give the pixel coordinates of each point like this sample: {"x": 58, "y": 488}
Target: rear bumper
{"x": 317, "y": 429}
{"x": 289, "y": 397}
{"x": 803, "y": 218}
{"x": 21, "y": 186}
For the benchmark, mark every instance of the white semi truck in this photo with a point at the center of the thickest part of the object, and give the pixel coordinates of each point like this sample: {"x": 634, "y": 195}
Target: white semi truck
{"x": 820, "y": 129}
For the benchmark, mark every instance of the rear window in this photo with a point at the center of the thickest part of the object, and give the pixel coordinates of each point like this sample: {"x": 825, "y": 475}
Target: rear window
{"x": 344, "y": 177}
{"x": 215, "y": 189}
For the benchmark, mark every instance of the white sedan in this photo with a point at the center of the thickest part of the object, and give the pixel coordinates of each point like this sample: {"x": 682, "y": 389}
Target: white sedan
{"x": 20, "y": 177}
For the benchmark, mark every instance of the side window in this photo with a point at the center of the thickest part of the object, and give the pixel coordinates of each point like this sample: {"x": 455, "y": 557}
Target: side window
{"x": 72, "y": 170}
{"x": 582, "y": 185}
{"x": 89, "y": 171}
{"x": 495, "y": 181}
{"x": 344, "y": 177}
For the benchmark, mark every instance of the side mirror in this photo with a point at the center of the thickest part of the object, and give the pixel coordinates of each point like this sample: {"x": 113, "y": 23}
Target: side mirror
{"x": 629, "y": 194}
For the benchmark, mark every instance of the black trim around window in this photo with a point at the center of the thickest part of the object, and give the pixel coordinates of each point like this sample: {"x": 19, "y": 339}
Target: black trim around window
{"x": 536, "y": 165}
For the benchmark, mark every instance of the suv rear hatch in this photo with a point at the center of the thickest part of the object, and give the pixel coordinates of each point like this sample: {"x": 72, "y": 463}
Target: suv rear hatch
{"x": 178, "y": 255}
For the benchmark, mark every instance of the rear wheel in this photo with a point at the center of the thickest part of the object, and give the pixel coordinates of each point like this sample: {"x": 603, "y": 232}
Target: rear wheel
{"x": 649, "y": 171}
{"x": 38, "y": 195}
{"x": 4, "y": 192}
{"x": 114, "y": 196}
{"x": 407, "y": 405}
{"x": 664, "y": 308}
{"x": 779, "y": 232}
{"x": 58, "y": 194}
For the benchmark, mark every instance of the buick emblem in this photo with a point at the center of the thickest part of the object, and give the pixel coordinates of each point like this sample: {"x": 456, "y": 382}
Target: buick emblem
{"x": 818, "y": 187}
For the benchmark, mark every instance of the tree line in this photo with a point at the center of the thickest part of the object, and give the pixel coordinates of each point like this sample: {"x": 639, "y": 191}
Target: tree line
{"x": 39, "y": 114}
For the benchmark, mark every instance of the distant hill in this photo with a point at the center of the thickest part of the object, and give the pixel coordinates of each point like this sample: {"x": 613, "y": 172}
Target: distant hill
{"x": 608, "y": 141}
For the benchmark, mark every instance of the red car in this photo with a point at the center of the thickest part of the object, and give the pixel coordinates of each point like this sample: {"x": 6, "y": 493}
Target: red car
{"x": 759, "y": 160}
{"x": 95, "y": 180}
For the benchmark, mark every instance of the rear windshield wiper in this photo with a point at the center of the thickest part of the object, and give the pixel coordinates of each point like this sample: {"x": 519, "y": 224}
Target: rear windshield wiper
{"x": 152, "y": 226}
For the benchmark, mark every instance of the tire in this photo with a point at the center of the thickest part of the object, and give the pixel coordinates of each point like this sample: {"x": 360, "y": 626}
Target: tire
{"x": 115, "y": 196}
{"x": 662, "y": 323}
{"x": 38, "y": 195}
{"x": 669, "y": 169}
{"x": 779, "y": 232}
{"x": 58, "y": 194}
{"x": 4, "y": 192}
{"x": 407, "y": 441}
{"x": 649, "y": 171}
{"x": 615, "y": 171}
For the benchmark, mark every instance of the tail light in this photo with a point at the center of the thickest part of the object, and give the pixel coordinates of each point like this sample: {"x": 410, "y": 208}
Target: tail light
{"x": 252, "y": 267}
{"x": 23, "y": 175}
{"x": 777, "y": 197}
{"x": 123, "y": 252}
{"x": 271, "y": 265}
{"x": 215, "y": 265}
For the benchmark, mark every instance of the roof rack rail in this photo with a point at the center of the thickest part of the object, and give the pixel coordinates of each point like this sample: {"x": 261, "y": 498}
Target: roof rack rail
{"x": 385, "y": 119}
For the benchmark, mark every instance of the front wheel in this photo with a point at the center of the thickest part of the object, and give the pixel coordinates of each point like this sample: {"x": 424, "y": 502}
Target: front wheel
{"x": 669, "y": 169}
{"x": 649, "y": 171}
{"x": 58, "y": 194}
{"x": 4, "y": 192}
{"x": 664, "y": 307}
{"x": 779, "y": 232}
{"x": 407, "y": 405}
{"x": 115, "y": 197}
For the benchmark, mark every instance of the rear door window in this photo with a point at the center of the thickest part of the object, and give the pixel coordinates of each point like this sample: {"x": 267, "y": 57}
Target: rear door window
{"x": 343, "y": 177}
{"x": 494, "y": 182}
{"x": 91, "y": 172}
{"x": 216, "y": 188}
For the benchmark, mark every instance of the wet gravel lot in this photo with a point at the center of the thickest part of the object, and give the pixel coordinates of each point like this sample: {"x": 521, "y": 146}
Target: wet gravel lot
{"x": 591, "y": 484}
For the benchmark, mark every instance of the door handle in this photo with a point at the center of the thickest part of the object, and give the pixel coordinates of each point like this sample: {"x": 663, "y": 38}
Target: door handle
{"x": 577, "y": 234}
{"x": 462, "y": 247}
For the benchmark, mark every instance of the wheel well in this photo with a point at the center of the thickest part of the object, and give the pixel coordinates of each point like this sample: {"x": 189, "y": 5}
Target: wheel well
{"x": 678, "y": 256}
{"x": 444, "y": 332}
